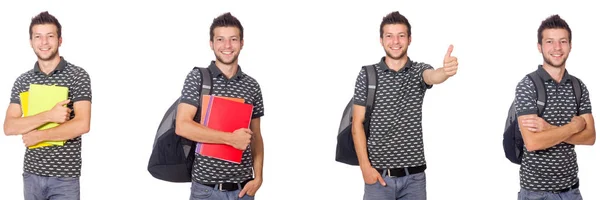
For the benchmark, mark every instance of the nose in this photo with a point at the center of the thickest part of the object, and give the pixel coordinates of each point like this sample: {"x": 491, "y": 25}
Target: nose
{"x": 396, "y": 39}
{"x": 557, "y": 45}
{"x": 227, "y": 43}
{"x": 44, "y": 40}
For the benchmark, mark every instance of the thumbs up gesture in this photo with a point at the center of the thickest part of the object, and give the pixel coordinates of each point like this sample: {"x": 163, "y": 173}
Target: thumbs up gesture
{"x": 450, "y": 63}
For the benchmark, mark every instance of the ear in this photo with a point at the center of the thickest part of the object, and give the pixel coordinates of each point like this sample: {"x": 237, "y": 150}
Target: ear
{"x": 409, "y": 39}
{"x": 212, "y": 47}
{"x": 539, "y": 47}
{"x": 381, "y": 41}
{"x": 241, "y": 44}
{"x": 59, "y": 41}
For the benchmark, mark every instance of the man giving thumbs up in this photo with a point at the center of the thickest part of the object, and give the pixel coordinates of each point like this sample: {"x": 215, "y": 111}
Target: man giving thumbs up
{"x": 392, "y": 159}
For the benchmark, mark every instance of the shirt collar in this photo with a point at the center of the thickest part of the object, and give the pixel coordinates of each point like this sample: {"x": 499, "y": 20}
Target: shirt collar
{"x": 61, "y": 66}
{"x": 215, "y": 71}
{"x": 546, "y": 77}
{"x": 385, "y": 67}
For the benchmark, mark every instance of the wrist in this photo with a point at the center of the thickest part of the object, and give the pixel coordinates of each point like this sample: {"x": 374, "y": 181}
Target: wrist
{"x": 46, "y": 117}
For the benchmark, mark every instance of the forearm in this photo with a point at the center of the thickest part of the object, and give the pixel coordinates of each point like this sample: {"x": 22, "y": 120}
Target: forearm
{"x": 22, "y": 125}
{"x": 436, "y": 77}
{"x": 258, "y": 156}
{"x": 549, "y": 137}
{"x": 585, "y": 137}
{"x": 196, "y": 132}
{"x": 360, "y": 144}
{"x": 65, "y": 131}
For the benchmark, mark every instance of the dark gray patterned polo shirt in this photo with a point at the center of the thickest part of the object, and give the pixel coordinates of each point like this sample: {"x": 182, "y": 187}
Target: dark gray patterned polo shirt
{"x": 396, "y": 138}
{"x": 241, "y": 85}
{"x": 57, "y": 161}
{"x": 554, "y": 168}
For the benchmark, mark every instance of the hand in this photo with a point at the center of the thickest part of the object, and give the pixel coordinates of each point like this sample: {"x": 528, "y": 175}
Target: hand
{"x": 32, "y": 138}
{"x": 240, "y": 139}
{"x": 250, "y": 188}
{"x": 59, "y": 113}
{"x": 450, "y": 63}
{"x": 579, "y": 123}
{"x": 535, "y": 124}
{"x": 371, "y": 176}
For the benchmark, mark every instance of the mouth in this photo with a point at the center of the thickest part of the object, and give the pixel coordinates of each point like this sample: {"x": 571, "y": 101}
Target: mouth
{"x": 44, "y": 49}
{"x": 227, "y": 52}
{"x": 556, "y": 55}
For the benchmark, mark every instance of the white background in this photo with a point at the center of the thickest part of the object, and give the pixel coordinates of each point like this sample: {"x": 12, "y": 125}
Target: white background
{"x": 306, "y": 56}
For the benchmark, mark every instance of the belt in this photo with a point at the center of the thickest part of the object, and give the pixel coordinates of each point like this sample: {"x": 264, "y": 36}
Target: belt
{"x": 228, "y": 186}
{"x": 575, "y": 186}
{"x": 400, "y": 172}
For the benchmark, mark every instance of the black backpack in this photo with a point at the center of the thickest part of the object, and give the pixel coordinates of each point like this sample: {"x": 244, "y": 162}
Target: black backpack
{"x": 345, "y": 152}
{"x": 513, "y": 140}
{"x": 173, "y": 156}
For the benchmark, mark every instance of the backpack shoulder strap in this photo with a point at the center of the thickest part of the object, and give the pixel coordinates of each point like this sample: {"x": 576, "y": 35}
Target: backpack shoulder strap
{"x": 540, "y": 89}
{"x": 371, "y": 86}
{"x": 205, "y": 88}
{"x": 577, "y": 90}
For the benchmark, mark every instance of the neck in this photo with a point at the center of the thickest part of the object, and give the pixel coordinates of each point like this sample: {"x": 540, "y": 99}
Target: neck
{"x": 396, "y": 64}
{"x": 48, "y": 66}
{"x": 556, "y": 73}
{"x": 227, "y": 69}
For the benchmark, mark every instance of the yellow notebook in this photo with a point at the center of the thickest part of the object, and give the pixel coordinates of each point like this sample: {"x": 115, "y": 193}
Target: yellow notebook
{"x": 42, "y": 98}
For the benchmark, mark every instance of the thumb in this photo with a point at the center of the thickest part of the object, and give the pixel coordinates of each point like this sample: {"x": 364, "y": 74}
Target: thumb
{"x": 243, "y": 191}
{"x": 449, "y": 52}
{"x": 381, "y": 181}
{"x": 62, "y": 103}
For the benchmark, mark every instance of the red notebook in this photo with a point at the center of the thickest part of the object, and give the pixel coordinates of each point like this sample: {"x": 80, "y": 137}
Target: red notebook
{"x": 225, "y": 115}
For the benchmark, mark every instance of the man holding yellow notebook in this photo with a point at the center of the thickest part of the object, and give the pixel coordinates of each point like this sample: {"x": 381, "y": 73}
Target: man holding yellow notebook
{"x": 50, "y": 106}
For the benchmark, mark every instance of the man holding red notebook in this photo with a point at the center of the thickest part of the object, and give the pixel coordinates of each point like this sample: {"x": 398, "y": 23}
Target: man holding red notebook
{"x": 214, "y": 178}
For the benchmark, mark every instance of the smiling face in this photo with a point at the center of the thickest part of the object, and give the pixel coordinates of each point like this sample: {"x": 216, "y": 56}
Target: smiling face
{"x": 395, "y": 40}
{"x": 226, "y": 44}
{"x": 555, "y": 47}
{"x": 45, "y": 41}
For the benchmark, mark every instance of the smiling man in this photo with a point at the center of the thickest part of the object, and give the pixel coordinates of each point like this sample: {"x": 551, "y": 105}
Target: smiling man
{"x": 392, "y": 159}
{"x": 213, "y": 178}
{"x": 51, "y": 172}
{"x": 549, "y": 164}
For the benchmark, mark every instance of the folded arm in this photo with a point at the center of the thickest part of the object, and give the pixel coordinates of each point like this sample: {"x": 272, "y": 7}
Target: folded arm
{"x": 15, "y": 124}
{"x": 192, "y": 130}
{"x": 587, "y": 136}
{"x": 548, "y": 137}
{"x": 79, "y": 125}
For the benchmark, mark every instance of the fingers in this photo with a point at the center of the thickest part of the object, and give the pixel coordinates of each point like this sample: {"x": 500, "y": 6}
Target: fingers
{"x": 449, "y": 52}
{"x": 244, "y": 190}
{"x": 62, "y": 103}
{"x": 380, "y": 179}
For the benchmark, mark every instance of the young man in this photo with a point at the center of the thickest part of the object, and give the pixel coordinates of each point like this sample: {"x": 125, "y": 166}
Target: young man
{"x": 213, "y": 178}
{"x": 51, "y": 172}
{"x": 394, "y": 167}
{"x": 549, "y": 166}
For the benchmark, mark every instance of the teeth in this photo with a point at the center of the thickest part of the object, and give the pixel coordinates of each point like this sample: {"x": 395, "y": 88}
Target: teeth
{"x": 226, "y": 52}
